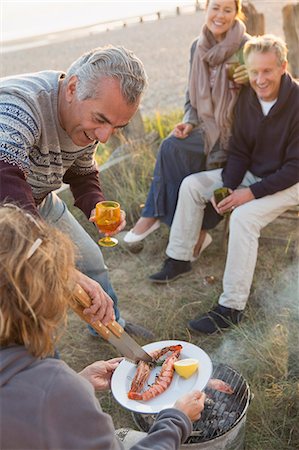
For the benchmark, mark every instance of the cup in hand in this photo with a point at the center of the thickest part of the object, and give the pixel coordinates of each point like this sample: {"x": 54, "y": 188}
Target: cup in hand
{"x": 108, "y": 219}
{"x": 230, "y": 70}
{"x": 220, "y": 194}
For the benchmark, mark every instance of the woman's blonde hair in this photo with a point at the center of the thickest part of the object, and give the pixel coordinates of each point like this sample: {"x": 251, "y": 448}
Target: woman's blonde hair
{"x": 35, "y": 285}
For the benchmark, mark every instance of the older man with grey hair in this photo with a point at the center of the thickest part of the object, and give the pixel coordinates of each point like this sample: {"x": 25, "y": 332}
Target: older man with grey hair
{"x": 261, "y": 174}
{"x": 51, "y": 124}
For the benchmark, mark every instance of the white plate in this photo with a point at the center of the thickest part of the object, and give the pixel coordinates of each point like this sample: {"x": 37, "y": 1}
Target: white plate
{"x": 123, "y": 375}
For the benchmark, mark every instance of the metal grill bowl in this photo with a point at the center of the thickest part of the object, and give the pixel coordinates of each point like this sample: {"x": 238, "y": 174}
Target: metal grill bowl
{"x": 222, "y": 423}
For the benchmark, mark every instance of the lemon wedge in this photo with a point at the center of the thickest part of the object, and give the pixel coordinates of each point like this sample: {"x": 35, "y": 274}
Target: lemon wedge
{"x": 186, "y": 367}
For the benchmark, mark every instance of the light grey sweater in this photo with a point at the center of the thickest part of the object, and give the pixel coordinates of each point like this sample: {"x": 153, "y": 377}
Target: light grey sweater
{"x": 45, "y": 405}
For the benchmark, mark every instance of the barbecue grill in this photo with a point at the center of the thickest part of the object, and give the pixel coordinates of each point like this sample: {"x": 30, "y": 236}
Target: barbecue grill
{"x": 222, "y": 423}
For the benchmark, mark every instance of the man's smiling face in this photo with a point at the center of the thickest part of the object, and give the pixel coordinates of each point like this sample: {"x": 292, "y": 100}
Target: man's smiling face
{"x": 265, "y": 72}
{"x": 95, "y": 119}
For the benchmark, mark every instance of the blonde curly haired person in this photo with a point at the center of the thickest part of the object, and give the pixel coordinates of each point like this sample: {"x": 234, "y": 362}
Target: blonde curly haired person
{"x": 35, "y": 281}
{"x": 44, "y": 403}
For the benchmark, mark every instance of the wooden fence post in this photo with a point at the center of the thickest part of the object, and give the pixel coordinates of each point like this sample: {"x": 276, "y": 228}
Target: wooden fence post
{"x": 254, "y": 21}
{"x": 290, "y": 14}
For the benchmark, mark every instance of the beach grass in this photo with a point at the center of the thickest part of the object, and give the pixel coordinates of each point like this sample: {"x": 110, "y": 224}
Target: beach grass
{"x": 264, "y": 348}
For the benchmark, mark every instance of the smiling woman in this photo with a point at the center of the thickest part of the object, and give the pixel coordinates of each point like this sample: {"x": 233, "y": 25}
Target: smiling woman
{"x": 200, "y": 141}
{"x": 221, "y": 15}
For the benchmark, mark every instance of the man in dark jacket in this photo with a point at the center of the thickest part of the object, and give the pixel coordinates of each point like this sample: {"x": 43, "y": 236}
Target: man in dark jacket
{"x": 262, "y": 174}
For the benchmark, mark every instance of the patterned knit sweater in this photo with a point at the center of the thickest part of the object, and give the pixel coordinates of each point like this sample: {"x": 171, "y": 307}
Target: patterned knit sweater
{"x": 36, "y": 154}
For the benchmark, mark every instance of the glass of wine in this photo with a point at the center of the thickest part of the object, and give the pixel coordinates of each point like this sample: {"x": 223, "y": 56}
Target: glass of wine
{"x": 107, "y": 220}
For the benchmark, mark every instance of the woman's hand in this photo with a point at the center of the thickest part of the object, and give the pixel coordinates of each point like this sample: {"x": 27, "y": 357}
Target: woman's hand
{"x": 192, "y": 404}
{"x": 100, "y": 372}
{"x": 240, "y": 75}
{"x": 182, "y": 130}
{"x": 102, "y": 305}
{"x": 120, "y": 227}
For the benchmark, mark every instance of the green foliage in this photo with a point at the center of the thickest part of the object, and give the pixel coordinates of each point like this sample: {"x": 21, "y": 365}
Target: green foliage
{"x": 164, "y": 123}
{"x": 102, "y": 154}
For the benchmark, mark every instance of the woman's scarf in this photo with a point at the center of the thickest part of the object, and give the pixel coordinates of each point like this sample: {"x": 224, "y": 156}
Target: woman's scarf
{"x": 214, "y": 105}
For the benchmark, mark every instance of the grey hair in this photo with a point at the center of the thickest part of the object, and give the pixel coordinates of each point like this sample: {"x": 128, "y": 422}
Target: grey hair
{"x": 111, "y": 62}
{"x": 266, "y": 43}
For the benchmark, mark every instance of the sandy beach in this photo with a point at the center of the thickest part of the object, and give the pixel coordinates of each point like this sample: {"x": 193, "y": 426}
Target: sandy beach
{"x": 163, "y": 46}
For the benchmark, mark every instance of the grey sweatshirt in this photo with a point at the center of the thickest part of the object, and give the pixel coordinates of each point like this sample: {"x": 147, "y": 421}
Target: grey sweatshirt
{"x": 44, "y": 404}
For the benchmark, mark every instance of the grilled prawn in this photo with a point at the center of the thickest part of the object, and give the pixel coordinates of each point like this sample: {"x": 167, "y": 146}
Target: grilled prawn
{"x": 220, "y": 386}
{"x": 163, "y": 380}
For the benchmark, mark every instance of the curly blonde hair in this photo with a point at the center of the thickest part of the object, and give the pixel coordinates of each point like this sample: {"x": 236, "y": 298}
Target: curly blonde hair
{"x": 34, "y": 287}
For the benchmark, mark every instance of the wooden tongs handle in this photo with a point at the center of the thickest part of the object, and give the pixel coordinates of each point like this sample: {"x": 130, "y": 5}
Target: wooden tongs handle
{"x": 81, "y": 301}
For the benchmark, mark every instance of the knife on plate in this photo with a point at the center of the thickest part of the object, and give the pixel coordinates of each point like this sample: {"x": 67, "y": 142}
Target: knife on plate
{"x": 113, "y": 332}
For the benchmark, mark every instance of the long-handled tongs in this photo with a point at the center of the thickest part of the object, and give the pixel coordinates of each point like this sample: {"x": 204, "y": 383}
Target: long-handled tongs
{"x": 113, "y": 332}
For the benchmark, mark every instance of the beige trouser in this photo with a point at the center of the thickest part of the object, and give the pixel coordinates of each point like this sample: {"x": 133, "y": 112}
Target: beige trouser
{"x": 246, "y": 223}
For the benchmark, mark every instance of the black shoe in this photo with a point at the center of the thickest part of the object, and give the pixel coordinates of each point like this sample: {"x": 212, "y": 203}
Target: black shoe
{"x": 138, "y": 331}
{"x": 172, "y": 269}
{"x": 215, "y": 320}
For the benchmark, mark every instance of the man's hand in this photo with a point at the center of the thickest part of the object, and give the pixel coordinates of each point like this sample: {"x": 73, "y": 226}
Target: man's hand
{"x": 120, "y": 227}
{"x": 100, "y": 372}
{"x": 192, "y": 404}
{"x": 241, "y": 75}
{"x": 235, "y": 199}
{"x": 182, "y": 130}
{"x": 102, "y": 305}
